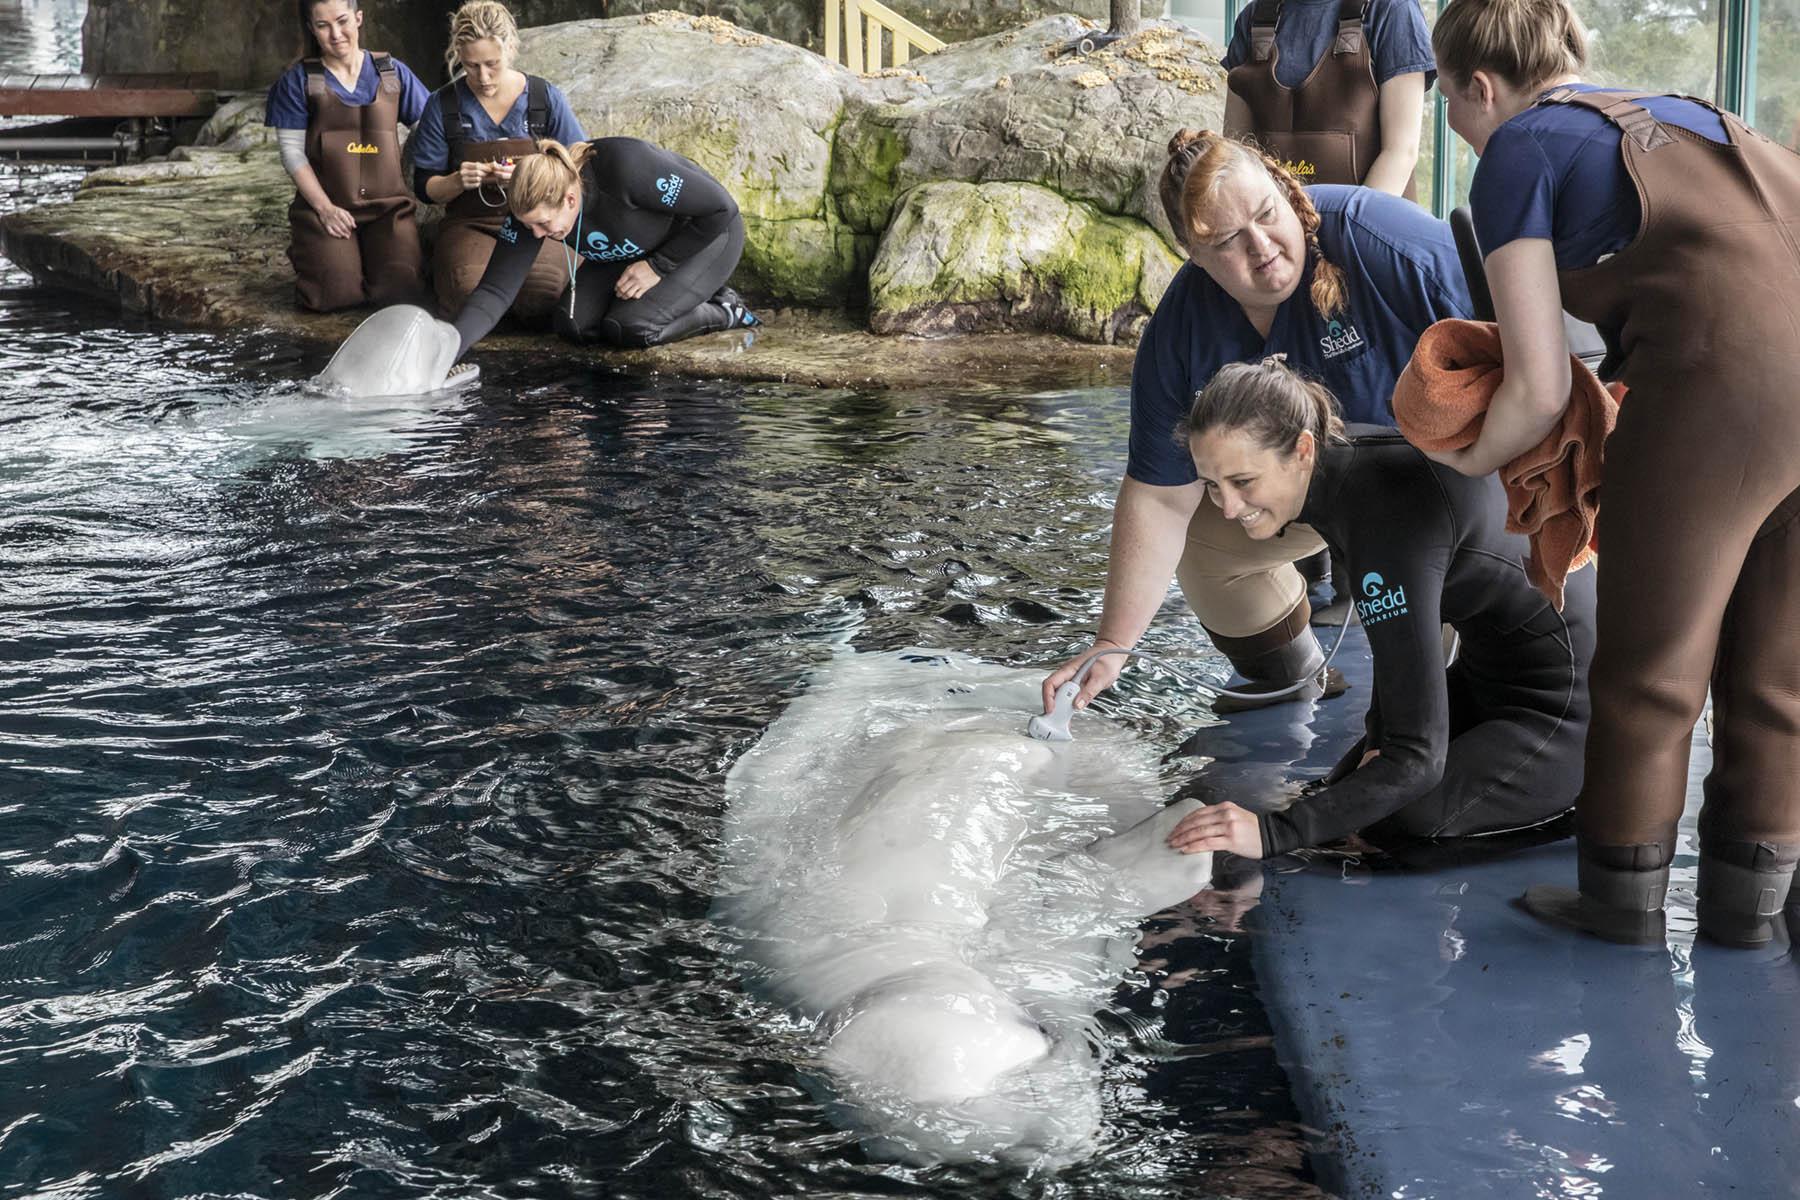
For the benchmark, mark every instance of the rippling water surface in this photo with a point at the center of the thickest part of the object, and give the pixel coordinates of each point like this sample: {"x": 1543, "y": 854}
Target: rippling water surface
{"x": 363, "y": 811}
{"x": 362, "y": 770}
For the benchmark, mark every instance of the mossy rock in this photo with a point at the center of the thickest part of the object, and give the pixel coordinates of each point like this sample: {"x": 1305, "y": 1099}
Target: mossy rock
{"x": 1012, "y": 107}
{"x": 963, "y": 257}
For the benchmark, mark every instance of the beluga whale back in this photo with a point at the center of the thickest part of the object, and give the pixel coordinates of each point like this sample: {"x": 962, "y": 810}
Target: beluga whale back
{"x": 946, "y": 901}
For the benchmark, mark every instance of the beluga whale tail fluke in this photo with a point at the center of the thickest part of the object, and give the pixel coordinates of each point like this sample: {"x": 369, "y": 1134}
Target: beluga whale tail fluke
{"x": 946, "y": 902}
{"x": 402, "y": 350}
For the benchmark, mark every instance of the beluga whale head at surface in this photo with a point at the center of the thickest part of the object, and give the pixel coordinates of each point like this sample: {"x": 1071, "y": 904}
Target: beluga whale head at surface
{"x": 400, "y": 351}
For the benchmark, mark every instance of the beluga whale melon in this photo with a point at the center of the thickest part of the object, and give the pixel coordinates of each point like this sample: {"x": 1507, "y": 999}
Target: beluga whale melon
{"x": 402, "y": 350}
{"x": 946, "y": 902}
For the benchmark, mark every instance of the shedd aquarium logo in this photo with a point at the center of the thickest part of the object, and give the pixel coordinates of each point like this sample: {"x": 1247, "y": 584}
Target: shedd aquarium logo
{"x": 1380, "y": 601}
{"x": 1340, "y": 339}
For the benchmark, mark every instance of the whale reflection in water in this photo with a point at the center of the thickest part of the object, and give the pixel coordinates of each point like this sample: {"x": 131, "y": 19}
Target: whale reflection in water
{"x": 946, "y": 901}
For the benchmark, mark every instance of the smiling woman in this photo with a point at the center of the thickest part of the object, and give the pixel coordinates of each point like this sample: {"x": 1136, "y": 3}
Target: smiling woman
{"x": 337, "y": 120}
{"x": 1492, "y": 742}
{"x": 1342, "y": 280}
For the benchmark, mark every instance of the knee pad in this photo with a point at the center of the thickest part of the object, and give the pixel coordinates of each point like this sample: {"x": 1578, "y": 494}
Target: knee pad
{"x": 628, "y": 334}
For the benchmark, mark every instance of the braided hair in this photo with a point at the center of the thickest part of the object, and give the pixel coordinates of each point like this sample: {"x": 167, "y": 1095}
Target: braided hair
{"x": 1198, "y": 160}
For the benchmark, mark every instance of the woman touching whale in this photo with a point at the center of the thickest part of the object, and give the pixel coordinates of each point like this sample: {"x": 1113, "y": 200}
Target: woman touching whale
{"x": 648, "y": 238}
{"x": 1492, "y": 742}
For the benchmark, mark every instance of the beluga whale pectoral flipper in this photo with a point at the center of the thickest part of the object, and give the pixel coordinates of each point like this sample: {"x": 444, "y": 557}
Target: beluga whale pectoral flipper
{"x": 402, "y": 350}
{"x": 931, "y": 891}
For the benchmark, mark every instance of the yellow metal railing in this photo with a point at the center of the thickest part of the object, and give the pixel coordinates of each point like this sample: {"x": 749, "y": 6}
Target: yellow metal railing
{"x": 853, "y": 35}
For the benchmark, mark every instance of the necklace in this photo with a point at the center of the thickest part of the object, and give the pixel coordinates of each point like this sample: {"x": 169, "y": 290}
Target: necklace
{"x": 569, "y": 261}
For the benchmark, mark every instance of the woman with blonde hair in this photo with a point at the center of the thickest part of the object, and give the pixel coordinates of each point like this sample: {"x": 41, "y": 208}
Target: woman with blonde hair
{"x": 647, "y": 240}
{"x": 1490, "y": 743}
{"x": 1671, "y": 227}
{"x": 477, "y": 127}
{"x": 1342, "y": 280}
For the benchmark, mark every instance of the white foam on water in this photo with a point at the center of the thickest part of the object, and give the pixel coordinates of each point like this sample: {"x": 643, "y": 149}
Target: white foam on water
{"x": 945, "y": 901}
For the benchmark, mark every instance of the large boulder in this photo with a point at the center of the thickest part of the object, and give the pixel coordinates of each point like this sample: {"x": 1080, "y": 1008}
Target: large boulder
{"x": 756, "y": 113}
{"x": 1090, "y": 127}
{"x": 965, "y": 257}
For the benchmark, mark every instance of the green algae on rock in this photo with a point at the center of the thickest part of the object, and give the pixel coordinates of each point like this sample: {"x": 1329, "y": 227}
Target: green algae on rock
{"x": 963, "y": 258}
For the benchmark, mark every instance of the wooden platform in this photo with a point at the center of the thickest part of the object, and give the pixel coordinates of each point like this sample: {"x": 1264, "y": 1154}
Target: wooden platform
{"x": 190, "y": 95}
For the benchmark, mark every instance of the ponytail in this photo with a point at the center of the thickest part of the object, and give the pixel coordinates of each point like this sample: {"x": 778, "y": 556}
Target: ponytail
{"x": 543, "y": 179}
{"x": 1269, "y": 400}
{"x": 1198, "y": 160}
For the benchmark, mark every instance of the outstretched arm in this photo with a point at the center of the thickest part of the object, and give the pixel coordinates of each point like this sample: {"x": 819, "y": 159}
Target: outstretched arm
{"x": 516, "y": 250}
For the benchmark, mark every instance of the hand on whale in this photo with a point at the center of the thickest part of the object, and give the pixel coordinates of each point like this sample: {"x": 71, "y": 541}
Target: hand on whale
{"x": 401, "y": 350}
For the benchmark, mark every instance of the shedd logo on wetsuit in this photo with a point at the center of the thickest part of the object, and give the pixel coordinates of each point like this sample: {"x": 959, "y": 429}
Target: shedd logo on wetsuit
{"x": 1381, "y": 600}
{"x": 670, "y": 187}
{"x": 1340, "y": 339}
{"x": 600, "y": 248}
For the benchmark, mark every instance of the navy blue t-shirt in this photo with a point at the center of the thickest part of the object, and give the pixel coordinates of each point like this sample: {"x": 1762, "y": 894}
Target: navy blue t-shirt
{"x": 1555, "y": 171}
{"x": 1399, "y": 43}
{"x": 287, "y": 99}
{"x": 432, "y": 153}
{"x": 1402, "y": 274}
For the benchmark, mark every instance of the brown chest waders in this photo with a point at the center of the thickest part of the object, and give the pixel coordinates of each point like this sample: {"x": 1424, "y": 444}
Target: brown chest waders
{"x": 1327, "y": 130}
{"x": 355, "y": 152}
{"x": 1699, "y": 532}
{"x": 465, "y": 239}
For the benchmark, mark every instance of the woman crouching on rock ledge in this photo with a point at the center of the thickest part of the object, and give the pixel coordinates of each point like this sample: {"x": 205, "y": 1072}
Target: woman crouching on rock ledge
{"x": 648, "y": 240}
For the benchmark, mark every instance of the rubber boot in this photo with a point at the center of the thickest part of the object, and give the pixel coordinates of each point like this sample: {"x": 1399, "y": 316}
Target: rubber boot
{"x": 1621, "y": 893}
{"x": 1273, "y": 661}
{"x": 1743, "y": 887}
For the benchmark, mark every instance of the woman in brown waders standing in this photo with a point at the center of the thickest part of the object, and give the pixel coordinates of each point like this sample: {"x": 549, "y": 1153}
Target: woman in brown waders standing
{"x": 477, "y": 126}
{"x": 354, "y": 240}
{"x": 1333, "y": 88}
{"x": 1676, "y": 230}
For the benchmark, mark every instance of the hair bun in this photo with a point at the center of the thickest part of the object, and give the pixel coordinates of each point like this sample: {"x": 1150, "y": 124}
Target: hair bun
{"x": 1188, "y": 139}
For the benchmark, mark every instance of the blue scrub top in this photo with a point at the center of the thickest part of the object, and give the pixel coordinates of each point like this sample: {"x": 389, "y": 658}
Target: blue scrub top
{"x": 1399, "y": 43}
{"x": 1555, "y": 171}
{"x": 1402, "y": 274}
{"x": 432, "y": 154}
{"x": 287, "y": 99}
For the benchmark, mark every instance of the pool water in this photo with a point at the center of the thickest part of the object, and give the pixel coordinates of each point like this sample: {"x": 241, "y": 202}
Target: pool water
{"x": 364, "y": 771}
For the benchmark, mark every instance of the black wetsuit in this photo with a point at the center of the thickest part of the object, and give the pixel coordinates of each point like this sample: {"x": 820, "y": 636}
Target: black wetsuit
{"x": 638, "y": 201}
{"x": 1493, "y": 742}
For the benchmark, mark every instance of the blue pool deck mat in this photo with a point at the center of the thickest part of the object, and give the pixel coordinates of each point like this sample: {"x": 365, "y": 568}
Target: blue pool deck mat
{"x": 1444, "y": 1044}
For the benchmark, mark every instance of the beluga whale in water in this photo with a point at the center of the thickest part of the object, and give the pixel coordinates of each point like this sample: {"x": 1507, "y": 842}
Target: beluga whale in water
{"x": 401, "y": 350}
{"x": 946, "y": 902}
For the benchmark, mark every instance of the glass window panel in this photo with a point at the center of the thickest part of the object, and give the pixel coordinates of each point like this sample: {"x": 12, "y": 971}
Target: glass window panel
{"x": 1775, "y": 71}
{"x": 1655, "y": 45}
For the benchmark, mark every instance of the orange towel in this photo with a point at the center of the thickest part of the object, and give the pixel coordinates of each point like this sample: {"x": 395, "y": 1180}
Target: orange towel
{"x": 1553, "y": 489}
